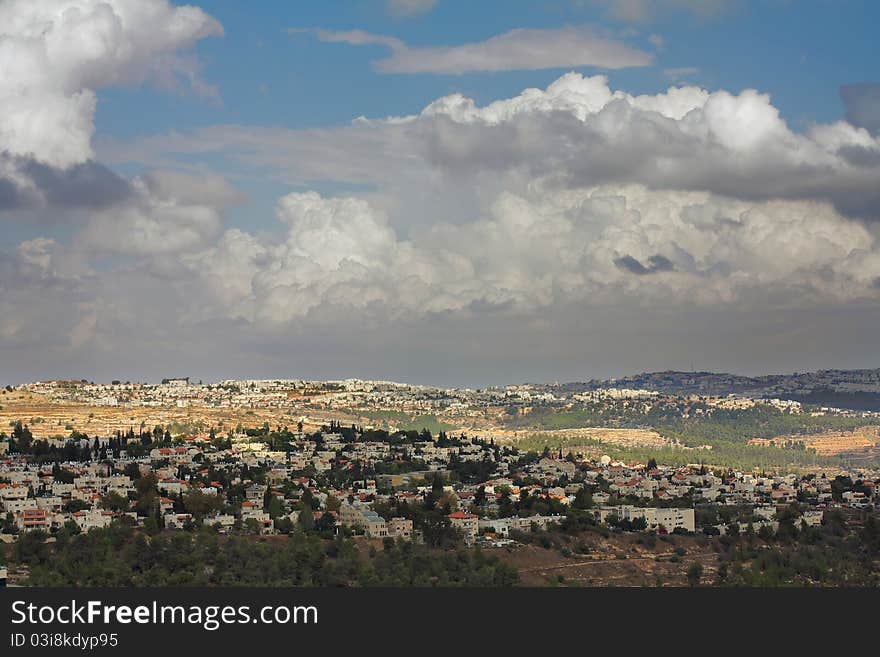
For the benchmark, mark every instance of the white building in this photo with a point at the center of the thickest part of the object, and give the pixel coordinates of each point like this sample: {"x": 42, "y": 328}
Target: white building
{"x": 669, "y": 519}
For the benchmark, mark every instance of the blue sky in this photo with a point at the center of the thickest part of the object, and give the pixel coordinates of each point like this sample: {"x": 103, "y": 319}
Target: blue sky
{"x": 799, "y": 52}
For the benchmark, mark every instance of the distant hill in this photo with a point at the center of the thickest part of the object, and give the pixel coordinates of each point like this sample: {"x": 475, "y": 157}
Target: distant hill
{"x": 853, "y": 389}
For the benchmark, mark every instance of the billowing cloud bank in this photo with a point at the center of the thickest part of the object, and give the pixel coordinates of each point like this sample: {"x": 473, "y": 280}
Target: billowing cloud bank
{"x": 542, "y": 248}
{"x": 581, "y": 131}
{"x": 574, "y": 194}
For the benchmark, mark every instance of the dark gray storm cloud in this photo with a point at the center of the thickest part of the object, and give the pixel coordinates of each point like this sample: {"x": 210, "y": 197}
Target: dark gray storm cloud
{"x": 28, "y": 183}
{"x": 569, "y": 343}
{"x": 86, "y": 185}
{"x": 862, "y": 102}
{"x": 861, "y": 156}
{"x": 12, "y": 197}
{"x": 656, "y": 151}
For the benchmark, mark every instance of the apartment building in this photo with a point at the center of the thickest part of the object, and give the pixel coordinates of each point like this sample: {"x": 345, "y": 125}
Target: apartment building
{"x": 467, "y": 523}
{"x": 400, "y": 528}
{"x": 669, "y": 519}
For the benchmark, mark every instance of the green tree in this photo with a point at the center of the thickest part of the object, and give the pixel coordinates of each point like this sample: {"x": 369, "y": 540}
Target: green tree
{"x": 200, "y": 504}
{"x": 326, "y": 523}
{"x": 274, "y": 507}
{"x": 147, "y": 494}
{"x": 332, "y": 503}
{"x": 9, "y": 526}
{"x": 113, "y": 501}
{"x": 695, "y": 573}
{"x": 21, "y": 437}
{"x": 583, "y": 499}
{"x": 71, "y": 527}
{"x": 75, "y": 505}
{"x": 31, "y": 548}
{"x": 306, "y": 518}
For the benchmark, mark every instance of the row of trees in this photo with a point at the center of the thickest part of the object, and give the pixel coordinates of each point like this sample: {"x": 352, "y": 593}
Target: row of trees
{"x": 80, "y": 447}
{"x": 122, "y": 556}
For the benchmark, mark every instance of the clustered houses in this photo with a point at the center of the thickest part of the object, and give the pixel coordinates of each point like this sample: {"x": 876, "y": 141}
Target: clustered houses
{"x": 757, "y": 499}
{"x": 33, "y": 499}
{"x": 284, "y": 393}
{"x": 348, "y": 478}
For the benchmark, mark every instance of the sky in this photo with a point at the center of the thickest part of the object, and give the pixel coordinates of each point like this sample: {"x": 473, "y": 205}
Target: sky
{"x": 437, "y": 191}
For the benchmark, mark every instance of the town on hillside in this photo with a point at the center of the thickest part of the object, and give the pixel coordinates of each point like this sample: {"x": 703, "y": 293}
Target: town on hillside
{"x": 438, "y": 491}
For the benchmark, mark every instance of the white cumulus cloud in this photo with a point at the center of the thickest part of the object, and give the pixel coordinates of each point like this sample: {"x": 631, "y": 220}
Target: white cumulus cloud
{"x": 55, "y": 54}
